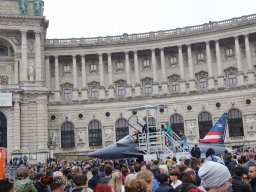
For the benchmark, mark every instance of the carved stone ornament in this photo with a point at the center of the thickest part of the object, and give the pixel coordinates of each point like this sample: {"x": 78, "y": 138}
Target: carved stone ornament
{"x": 16, "y": 40}
{"x": 81, "y": 137}
{"x": 3, "y": 79}
{"x": 250, "y": 123}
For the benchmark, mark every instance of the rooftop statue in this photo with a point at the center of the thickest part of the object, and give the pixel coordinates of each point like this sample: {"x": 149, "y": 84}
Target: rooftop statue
{"x": 37, "y": 7}
{"x": 23, "y": 6}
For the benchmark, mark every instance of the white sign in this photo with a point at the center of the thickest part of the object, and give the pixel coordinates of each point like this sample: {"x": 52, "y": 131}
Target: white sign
{"x": 5, "y": 99}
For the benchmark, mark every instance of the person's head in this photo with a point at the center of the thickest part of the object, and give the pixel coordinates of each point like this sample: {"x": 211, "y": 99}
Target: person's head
{"x": 77, "y": 170}
{"x": 210, "y": 151}
{"x": 80, "y": 180}
{"x": 189, "y": 174}
{"x": 95, "y": 171}
{"x": 59, "y": 184}
{"x": 252, "y": 172}
{"x": 148, "y": 177}
{"x": 195, "y": 162}
{"x": 6, "y": 185}
{"x": 163, "y": 169}
{"x": 174, "y": 175}
{"x": 57, "y": 174}
{"x": 215, "y": 176}
{"x": 163, "y": 178}
{"x": 108, "y": 170}
{"x": 251, "y": 156}
{"x": 129, "y": 177}
{"x": 137, "y": 167}
{"x": 22, "y": 172}
{"x": 238, "y": 171}
{"x": 136, "y": 185}
{"x": 100, "y": 187}
{"x": 116, "y": 181}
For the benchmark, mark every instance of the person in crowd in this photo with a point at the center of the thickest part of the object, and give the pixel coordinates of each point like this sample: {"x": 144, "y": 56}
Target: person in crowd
{"x": 81, "y": 184}
{"x": 131, "y": 175}
{"x": 148, "y": 177}
{"x": 252, "y": 176}
{"x": 146, "y": 167}
{"x": 251, "y": 160}
{"x": 95, "y": 178}
{"x": 184, "y": 143}
{"x": 39, "y": 185}
{"x": 174, "y": 178}
{"x": 6, "y": 185}
{"x": 164, "y": 184}
{"x": 195, "y": 165}
{"x": 188, "y": 181}
{"x": 58, "y": 185}
{"x": 23, "y": 183}
{"x": 195, "y": 151}
{"x": 136, "y": 185}
{"x": 238, "y": 185}
{"x": 108, "y": 174}
{"x": 215, "y": 177}
{"x": 102, "y": 188}
{"x": 229, "y": 162}
{"x": 210, "y": 156}
{"x": 116, "y": 182}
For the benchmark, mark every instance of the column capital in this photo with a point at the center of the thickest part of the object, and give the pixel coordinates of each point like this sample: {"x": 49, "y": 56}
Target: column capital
{"x": 207, "y": 42}
{"x": 161, "y": 48}
{"x": 100, "y": 54}
{"x": 56, "y": 56}
{"x": 152, "y": 49}
{"x": 216, "y": 40}
{"x": 135, "y": 51}
{"x": 37, "y": 31}
{"x": 235, "y": 36}
{"x": 179, "y": 45}
{"x": 74, "y": 55}
{"x": 126, "y": 52}
{"x": 188, "y": 44}
{"x": 109, "y": 53}
{"x": 23, "y": 31}
{"x": 246, "y": 35}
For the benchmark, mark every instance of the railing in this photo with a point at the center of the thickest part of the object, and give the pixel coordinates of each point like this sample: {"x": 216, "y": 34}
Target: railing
{"x": 219, "y": 25}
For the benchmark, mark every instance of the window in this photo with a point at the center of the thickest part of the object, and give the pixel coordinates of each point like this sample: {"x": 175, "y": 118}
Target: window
{"x": 94, "y": 92}
{"x": 232, "y": 80}
{"x": 229, "y": 52}
{"x": 67, "y": 94}
{"x": 151, "y": 122}
{"x": 93, "y": 67}
{"x": 146, "y": 63}
{"x": 235, "y": 123}
{"x": 119, "y": 66}
{"x": 148, "y": 89}
{"x": 175, "y": 86}
{"x": 120, "y": 91}
{"x": 3, "y": 51}
{"x": 67, "y": 135}
{"x": 66, "y": 68}
{"x": 95, "y": 133}
{"x": 177, "y": 124}
{"x": 122, "y": 129}
{"x": 204, "y": 123}
{"x": 203, "y": 84}
{"x": 173, "y": 60}
{"x": 200, "y": 56}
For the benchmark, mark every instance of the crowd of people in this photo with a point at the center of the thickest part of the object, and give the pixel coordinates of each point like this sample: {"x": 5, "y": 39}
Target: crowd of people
{"x": 212, "y": 173}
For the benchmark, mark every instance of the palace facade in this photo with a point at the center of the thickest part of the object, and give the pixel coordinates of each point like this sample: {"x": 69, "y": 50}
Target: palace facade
{"x": 72, "y": 96}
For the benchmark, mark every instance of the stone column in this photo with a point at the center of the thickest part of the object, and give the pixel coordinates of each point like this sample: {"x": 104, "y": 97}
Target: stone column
{"x": 192, "y": 86}
{"x": 84, "y": 82}
{"x": 209, "y": 66}
{"x": 16, "y": 71}
{"x": 128, "y": 88}
{"x": 38, "y": 56}
{"x": 250, "y": 72}
{"x": 163, "y": 68}
{"x": 47, "y": 72}
{"x": 154, "y": 67}
{"x": 57, "y": 81}
{"x": 24, "y": 57}
{"x": 182, "y": 73}
{"x": 110, "y": 78}
{"x": 101, "y": 70}
{"x": 137, "y": 80}
{"x": 75, "y": 88}
{"x": 219, "y": 66}
{"x": 240, "y": 75}
{"x": 16, "y": 124}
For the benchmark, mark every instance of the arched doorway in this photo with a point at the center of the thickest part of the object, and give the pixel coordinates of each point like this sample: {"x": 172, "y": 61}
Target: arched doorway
{"x": 235, "y": 123}
{"x": 3, "y": 130}
{"x": 177, "y": 124}
{"x": 204, "y": 123}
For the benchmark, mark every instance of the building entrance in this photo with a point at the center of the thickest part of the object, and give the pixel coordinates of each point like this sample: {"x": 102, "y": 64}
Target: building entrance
{"x": 3, "y": 130}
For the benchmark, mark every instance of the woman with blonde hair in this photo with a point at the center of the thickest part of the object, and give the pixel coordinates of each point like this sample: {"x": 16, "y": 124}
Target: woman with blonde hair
{"x": 116, "y": 182}
{"x": 148, "y": 177}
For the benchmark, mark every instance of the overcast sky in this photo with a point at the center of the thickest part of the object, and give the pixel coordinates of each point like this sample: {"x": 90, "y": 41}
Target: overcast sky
{"x": 92, "y": 18}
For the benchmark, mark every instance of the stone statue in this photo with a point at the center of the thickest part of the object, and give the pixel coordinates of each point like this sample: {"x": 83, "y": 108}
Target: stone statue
{"x": 23, "y": 6}
{"x": 52, "y": 139}
{"x": 31, "y": 71}
{"x": 37, "y": 7}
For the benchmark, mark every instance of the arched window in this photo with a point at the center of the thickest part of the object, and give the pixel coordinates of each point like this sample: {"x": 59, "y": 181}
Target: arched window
{"x": 177, "y": 124}
{"x": 151, "y": 123}
{"x": 122, "y": 129}
{"x": 235, "y": 123}
{"x": 3, "y": 130}
{"x": 67, "y": 135}
{"x": 95, "y": 133}
{"x": 3, "y": 50}
{"x": 204, "y": 123}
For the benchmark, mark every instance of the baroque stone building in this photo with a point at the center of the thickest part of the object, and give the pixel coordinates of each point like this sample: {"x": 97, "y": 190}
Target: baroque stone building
{"x": 71, "y": 96}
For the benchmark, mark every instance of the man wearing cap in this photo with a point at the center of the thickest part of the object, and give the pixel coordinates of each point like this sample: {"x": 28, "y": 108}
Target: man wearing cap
{"x": 215, "y": 177}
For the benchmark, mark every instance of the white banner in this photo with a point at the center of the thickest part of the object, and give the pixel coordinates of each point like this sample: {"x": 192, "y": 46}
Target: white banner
{"x": 5, "y": 99}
